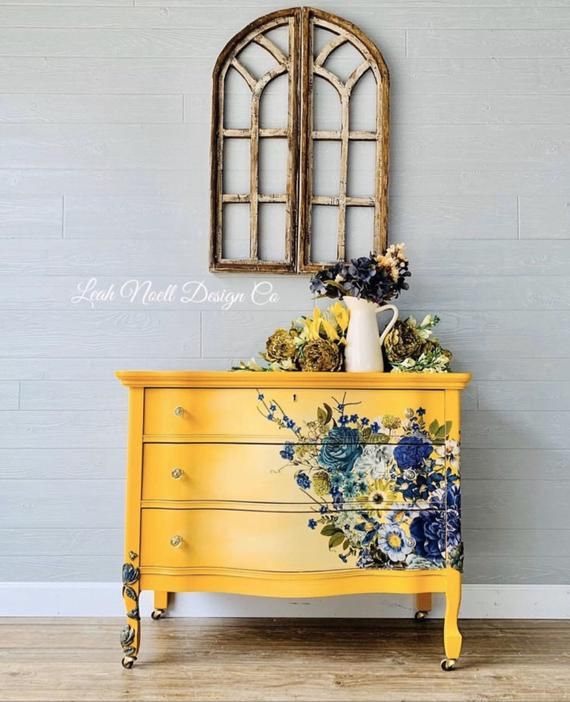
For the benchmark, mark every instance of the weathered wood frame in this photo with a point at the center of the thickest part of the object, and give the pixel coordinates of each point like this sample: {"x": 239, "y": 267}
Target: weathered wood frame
{"x": 301, "y": 66}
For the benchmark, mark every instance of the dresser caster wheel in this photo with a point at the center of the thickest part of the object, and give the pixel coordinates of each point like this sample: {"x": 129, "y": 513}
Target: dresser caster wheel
{"x": 128, "y": 662}
{"x": 420, "y": 615}
{"x": 448, "y": 664}
{"x": 157, "y": 614}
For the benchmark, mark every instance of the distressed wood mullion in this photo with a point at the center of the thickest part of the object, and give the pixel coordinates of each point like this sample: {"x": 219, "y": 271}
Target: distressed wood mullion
{"x": 292, "y": 186}
{"x": 343, "y": 180}
{"x": 254, "y": 176}
{"x": 335, "y": 200}
{"x": 274, "y": 50}
{"x": 382, "y": 160}
{"x": 382, "y": 165}
{"x": 219, "y": 236}
{"x": 331, "y": 77}
{"x": 268, "y": 132}
{"x": 337, "y": 136}
{"x": 329, "y": 48}
{"x": 244, "y": 73}
{"x": 306, "y": 142}
{"x": 236, "y": 133}
{"x": 235, "y": 197}
{"x": 272, "y": 198}
{"x": 362, "y": 136}
{"x": 356, "y": 75}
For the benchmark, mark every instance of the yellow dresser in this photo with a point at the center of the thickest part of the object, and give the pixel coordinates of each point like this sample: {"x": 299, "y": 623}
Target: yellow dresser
{"x": 293, "y": 485}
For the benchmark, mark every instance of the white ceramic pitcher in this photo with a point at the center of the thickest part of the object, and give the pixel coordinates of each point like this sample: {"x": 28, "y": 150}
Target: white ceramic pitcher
{"x": 363, "y": 350}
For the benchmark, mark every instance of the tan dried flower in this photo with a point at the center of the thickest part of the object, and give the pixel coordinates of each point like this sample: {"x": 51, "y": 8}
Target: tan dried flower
{"x": 320, "y": 355}
{"x": 435, "y": 348}
{"x": 280, "y": 346}
{"x": 402, "y": 342}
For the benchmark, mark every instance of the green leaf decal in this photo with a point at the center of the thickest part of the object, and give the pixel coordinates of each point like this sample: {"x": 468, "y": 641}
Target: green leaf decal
{"x": 336, "y": 539}
{"x": 434, "y": 427}
{"x": 324, "y": 414}
{"x": 440, "y": 433}
{"x": 329, "y": 530}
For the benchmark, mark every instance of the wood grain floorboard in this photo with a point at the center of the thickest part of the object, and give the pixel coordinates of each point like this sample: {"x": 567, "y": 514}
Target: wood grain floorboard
{"x": 64, "y": 660}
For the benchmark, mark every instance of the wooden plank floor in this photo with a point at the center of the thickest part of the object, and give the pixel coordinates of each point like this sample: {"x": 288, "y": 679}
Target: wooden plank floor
{"x": 183, "y": 659}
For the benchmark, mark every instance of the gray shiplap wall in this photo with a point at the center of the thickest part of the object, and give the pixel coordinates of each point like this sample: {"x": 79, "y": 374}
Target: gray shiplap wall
{"x": 104, "y": 114}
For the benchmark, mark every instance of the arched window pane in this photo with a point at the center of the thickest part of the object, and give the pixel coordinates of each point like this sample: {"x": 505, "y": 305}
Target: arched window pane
{"x": 301, "y": 137}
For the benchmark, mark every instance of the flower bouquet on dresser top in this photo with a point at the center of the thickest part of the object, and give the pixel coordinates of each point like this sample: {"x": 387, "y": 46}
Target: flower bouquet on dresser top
{"x": 346, "y": 336}
{"x": 366, "y": 285}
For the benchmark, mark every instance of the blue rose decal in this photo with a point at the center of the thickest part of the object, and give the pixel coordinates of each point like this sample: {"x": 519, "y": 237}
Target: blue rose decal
{"x": 428, "y": 530}
{"x": 411, "y": 452}
{"x": 453, "y": 529}
{"x": 453, "y": 494}
{"x": 341, "y": 447}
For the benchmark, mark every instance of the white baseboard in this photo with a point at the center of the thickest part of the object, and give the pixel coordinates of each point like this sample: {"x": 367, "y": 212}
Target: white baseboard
{"x": 104, "y": 600}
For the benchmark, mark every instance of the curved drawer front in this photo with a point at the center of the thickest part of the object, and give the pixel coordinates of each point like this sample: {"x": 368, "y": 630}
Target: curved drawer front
{"x": 224, "y": 472}
{"x": 363, "y": 475}
{"x": 296, "y": 541}
{"x": 246, "y": 415}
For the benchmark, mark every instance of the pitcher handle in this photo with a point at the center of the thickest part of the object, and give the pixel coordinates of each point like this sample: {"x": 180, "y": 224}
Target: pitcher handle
{"x": 391, "y": 322}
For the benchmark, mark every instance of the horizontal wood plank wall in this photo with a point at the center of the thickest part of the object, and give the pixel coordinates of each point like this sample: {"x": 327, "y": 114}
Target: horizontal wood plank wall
{"x": 104, "y": 123}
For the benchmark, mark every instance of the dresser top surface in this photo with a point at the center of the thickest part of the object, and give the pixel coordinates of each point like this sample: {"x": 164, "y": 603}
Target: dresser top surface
{"x": 253, "y": 379}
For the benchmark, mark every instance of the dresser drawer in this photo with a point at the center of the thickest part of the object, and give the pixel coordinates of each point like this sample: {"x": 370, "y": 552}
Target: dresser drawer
{"x": 372, "y": 475}
{"x": 291, "y": 541}
{"x": 245, "y": 415}
{"x": 224, "y": 472}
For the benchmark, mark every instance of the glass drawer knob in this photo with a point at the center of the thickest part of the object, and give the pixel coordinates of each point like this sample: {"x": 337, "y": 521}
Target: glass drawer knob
{"x": 176, "y": 541}
{"x": 177, "y": 473}
{"x": 179, "y": 411}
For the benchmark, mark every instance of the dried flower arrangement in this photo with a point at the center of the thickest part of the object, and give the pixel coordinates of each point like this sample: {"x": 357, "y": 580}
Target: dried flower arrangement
{"x": 317, "y": 343}
{"x": 378, "y": 277}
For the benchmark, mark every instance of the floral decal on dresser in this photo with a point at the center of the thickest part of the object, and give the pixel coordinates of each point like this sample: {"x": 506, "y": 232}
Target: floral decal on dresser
{"x": 385, "y": 489}
{"x": 130, "y": 576}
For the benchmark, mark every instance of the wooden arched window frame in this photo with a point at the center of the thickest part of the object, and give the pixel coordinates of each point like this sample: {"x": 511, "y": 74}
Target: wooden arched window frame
{"x": 301, "y": 65}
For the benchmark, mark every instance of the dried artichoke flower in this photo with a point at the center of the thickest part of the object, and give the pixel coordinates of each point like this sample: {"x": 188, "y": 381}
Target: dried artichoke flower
{"x": 402, "y": 342}
{"x": 280, "y": 346}
{"x": 434, "y": 347}
{"x": 320, "y": 355}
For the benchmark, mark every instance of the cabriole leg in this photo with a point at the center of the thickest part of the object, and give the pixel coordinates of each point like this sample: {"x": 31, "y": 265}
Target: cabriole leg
{"x": 160, "y": 604}
{"x": 423, "y": 605}
{"x": 130, "y": 633}
{"x": 451, "y": 633}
